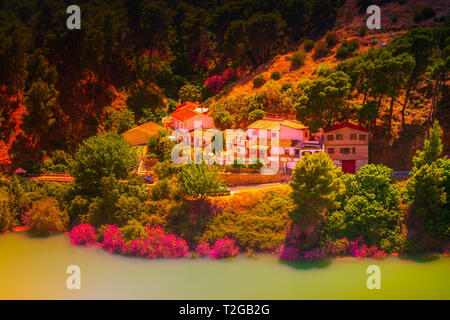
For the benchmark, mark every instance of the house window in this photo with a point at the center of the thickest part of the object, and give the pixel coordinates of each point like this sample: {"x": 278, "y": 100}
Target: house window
{"x": 296, "y": 152}
{"x": 353, "y": 136}
{"x": 286, "y": 152}
{"x": 362, "y": 137}
{"x": 339, "y": 137}
{"x": 345, "y": 150}
{"x": 330, "y": 137}
{"x": 353, "y": 150}
{"x": 330, "y": 150}
{"x": 274, "y": 134}
{"x": 306, "y": 134}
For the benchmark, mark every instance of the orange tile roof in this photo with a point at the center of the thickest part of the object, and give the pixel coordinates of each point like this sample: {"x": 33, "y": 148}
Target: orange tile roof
{"x": 141, "y": 134}
{"x": 189, "y": 105}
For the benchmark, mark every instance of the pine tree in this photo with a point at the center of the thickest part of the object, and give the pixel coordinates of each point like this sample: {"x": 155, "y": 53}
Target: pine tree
{"x": 432, "y": 148}
{"x": 316, "y": 183}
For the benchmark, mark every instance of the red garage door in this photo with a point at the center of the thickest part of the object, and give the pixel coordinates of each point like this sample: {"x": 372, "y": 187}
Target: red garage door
{"x": 348, "y": 166}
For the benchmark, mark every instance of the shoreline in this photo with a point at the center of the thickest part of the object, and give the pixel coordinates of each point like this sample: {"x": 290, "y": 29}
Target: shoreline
{"x": 22, "y": 229}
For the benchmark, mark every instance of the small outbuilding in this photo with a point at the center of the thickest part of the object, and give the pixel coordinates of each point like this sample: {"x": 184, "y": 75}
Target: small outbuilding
{"x": 140, "y": 135}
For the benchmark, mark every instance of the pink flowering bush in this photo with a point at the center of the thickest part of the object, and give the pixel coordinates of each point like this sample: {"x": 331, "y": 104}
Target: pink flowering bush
{"x": 354, "y": 246}
{"x": 289, "y": 254}
{"x": 215, "y": 83}
{"x": 155, "y": 244}
{"x": 158, "y": 244}
{"x": 25, "y": 218}
{"x": 83, "y": 234}
{"x": 203, "y": 250}
{"x": 315, "y": 254}
{"x": 339, "y": 247}
{"x": 380, "y": 254}
{"x": 230, "y": 75}
{"x": 112, "y": 239}
{"x": 224, "y": 248}
{"x": 365, "y": 251}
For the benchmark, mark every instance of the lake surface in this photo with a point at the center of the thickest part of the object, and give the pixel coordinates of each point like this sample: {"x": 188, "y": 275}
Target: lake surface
{"x": 35, "y": 268}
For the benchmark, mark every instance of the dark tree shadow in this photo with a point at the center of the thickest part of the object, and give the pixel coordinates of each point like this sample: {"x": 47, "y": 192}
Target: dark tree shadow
{"x": 421, "y": 258}
{"x": 307, "y": 264}
{"x": 298, "y": 239}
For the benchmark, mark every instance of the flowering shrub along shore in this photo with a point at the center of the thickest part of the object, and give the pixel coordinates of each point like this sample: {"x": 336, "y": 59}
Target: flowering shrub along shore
{"x": 83, "y": 234}
{"x": 340, "y": 247}
{"x": 222, "y": 248}
{"x": 155, "y": 244}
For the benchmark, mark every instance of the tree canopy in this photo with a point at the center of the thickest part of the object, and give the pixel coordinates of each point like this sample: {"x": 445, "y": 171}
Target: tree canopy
{"x": 100, "y": 156}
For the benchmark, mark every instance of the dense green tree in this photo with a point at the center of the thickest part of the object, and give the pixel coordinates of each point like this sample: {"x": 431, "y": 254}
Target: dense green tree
{"x": 118, "y": 121}
{"x": 432, "y": 148}
{"x": 272, "y": 99}
{"x": 257, "y": 37}
{"x": 428, "y": 189}
{"x": 45, "y": 217}
{"x": 156, "y": 24}
{"x": 41, "y": 104}
{"x": 437, "y": 75}
{"x": 419, "y": 43}
{"x": 142, "y": 98}
{"x": 15, "y": 41}
{"x": 323, "y": 100}
{"x": 160, "y": 146}
{"x": 314, "y": 188}
{"x": 256, "y": 115}
{"x": 199, "y": 180}
{"x": 223, "y": 120}
{"x": 190, "y": 92}
{"x": 368, "y": 207}
{"x": 400, "y": 69}
{"x": 7, "y": 214}
{"x": 102, "y": 156}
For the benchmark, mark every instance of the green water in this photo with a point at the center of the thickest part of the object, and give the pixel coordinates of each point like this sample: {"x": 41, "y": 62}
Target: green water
{"x": 33, "y": 268}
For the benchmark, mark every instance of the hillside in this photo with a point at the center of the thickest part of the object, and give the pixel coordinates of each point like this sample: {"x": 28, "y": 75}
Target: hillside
{"x": 397, "y": 19}
{"x": 347, "y": 26}
{"x": 134, "y": 60}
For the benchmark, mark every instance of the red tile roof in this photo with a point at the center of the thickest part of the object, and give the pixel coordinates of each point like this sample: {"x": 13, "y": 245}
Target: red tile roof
{"x": 183, "y": 114}
{"x": 345, "y": 125}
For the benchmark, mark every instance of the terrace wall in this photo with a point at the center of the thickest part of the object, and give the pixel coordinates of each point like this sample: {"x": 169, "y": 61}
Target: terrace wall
{"x": 241, "y": 179}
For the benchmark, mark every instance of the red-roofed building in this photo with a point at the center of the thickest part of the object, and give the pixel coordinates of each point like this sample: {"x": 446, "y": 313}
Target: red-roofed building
{"x": 347, "y": 145}
{"x": 187, "y": 113}
{"x": 345, "y": 125}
